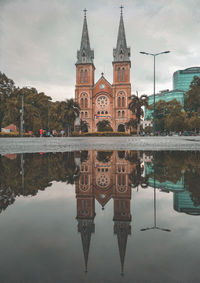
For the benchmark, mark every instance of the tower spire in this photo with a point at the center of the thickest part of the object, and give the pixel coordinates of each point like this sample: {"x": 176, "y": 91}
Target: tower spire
{"x": 85, "y": 54}
{"x": 121, "y": 52}
{"x": 86, "y": 228}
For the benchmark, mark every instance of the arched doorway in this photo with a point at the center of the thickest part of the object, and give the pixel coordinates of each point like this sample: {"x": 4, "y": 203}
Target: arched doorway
{"x": 121, "y": 128}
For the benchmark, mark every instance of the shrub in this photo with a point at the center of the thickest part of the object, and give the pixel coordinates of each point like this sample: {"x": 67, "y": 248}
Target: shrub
{"x": 101, "y": 134}
{"x": 13, "y": 135}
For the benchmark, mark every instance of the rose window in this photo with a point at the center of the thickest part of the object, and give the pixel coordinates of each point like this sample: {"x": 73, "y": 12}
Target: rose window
{"x": 103, "y": 180}
{"x": 102, "y": 101}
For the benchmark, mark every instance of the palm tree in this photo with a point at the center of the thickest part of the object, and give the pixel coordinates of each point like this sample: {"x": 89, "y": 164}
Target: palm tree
{"x": 73, "y": 110}
{"x": 104, "y": 126}
{"x": 136, "y": 105}
{"x": 131, "y": 124}
{"x": 84, "y": 126}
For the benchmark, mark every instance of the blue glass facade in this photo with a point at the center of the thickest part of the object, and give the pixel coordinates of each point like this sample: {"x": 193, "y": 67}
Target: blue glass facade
{"x": 184, "y": 203}
{"x": 183, "y": 78}
{"x": 181, "y": 84}
{"x": 166, "y": 96}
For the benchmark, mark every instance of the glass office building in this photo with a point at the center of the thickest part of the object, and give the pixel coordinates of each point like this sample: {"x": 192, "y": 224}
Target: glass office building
{"x": 183, "y": 78}
{"x": 167, "y": 96}
{"x": 181, "y": 84}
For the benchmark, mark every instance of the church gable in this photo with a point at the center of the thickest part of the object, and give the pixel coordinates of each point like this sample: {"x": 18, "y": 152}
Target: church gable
{"x": 102, "y": 85}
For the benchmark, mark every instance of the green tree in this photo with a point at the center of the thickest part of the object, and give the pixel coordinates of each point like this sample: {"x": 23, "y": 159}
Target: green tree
{"x": 63, "y": 115}
{"x": 192, "y": 97}
{"x": 84, "y": 126}
{"x": 136, "y": 106}
{"x": 131, "y": 124}
{"x": 104, "y": 126}
{"x": 6, "y": 89}
{"x": 36, "y": 108}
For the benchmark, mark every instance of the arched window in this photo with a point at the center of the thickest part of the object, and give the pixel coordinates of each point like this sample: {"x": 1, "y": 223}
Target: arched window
{"x": 86, "y": 103}
{"x": 102, "y": 112}
{"x": 119, "y": 101}
{"x": 81, "y": 114}
{"x": 118, "y": 113}
{"x": 118, "y": 74}
{"x": 86, "y": 115}
{"x": 82, "y": 102}
{"x": 123, "y": 101}
{"x": 98, "y": 112}
{"x": 85, "y": 76}
{"x": 106, "y": 112}
{"x": 123, "y": 74}
{"x": 123, "y": 114}
{"x": 86, "y": 179}
{"x": 119, "y": 179}
{"x": 81, "y": 76}
{"x": 123, "y": 180}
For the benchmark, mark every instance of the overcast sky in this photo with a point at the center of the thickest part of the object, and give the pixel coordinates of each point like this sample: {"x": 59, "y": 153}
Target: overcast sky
{"x": 39, "y": 40}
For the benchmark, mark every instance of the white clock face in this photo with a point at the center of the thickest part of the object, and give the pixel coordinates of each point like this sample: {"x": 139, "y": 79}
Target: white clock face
{"x": 102, "y": 86}
{"x": 102, "y": 102}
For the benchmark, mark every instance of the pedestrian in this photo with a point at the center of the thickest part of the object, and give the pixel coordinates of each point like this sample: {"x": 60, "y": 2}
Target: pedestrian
{"x": 62, "y": 133}
{"x": 41, "y": 132}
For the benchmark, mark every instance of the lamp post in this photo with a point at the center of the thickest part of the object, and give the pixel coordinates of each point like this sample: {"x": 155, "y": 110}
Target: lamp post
{"x": 22, "y": 112}
{"x": 22, "y": 117}
{"x": 155, "y": 227}
{"x": 154, "y": 82}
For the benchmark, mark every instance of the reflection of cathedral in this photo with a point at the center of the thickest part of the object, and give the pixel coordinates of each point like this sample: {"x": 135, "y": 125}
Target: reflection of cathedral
{"x": 104, "y": 176}
{"x": 102, "y": 100}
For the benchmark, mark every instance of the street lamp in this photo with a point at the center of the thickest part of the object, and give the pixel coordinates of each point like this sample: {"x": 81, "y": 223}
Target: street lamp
{"x": 22, "y": 112}
{"x": 155, "y": 214}
{"x": 154, "y": 82}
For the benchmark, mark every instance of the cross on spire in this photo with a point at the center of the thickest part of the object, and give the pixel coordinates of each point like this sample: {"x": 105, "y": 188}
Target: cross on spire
{"x": 121, "y": 7}
{"x": 85, "y": 11}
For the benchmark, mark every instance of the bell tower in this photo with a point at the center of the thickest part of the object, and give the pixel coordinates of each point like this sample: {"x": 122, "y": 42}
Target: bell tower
{"x": 121, "y": 77}
{"x": 85, "y": 76}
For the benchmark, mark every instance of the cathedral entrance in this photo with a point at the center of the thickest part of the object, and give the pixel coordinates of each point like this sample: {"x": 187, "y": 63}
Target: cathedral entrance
{"x": 121, "y": 128}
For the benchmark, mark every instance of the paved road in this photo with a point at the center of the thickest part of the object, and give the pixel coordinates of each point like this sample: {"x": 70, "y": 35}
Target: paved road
{"x": 23, "y": 145}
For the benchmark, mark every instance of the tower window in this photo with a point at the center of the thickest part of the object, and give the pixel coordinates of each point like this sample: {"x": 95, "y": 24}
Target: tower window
{"x": 81, "y": 76}
{"x": 86, "y": 114}
{"x": 123, "y": 101}
{"x": 118, "y": 74}
{"x": 85, "y": 76}
{"x": 119, "y": 101}
{"x": 86, "y": 103}
{"x": 118, "y": 113}
{"x": 82, "y": 102}
{"x": 123, "y": 114}
{"x": 123, "y": 74}
{"x": 81, "y": 114}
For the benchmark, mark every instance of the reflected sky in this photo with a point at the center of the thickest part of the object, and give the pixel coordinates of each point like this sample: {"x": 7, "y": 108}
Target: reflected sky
{"x": 57, "y": 225}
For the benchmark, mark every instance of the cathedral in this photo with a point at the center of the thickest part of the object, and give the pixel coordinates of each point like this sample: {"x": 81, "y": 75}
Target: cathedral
{"x": 102, "y": 100}
{"x": 104, "y": 177}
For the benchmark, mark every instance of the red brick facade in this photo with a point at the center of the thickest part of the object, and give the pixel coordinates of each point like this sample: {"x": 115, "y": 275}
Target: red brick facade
{"x": 102, "y": 100}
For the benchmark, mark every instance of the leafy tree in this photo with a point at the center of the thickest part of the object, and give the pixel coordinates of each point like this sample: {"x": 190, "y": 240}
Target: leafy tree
{"x": 104, "y": 126}
{"x": 36, "y": 108}
{"x": 131, "y": 124}
{"x": 6, "y": 89}
{"x": 136, "y": 105}
{"x": 63, "y": 115}
{"x": 170, "y": 116}
{"x": 84, "y": 126}
{"x": 192, "y": 97}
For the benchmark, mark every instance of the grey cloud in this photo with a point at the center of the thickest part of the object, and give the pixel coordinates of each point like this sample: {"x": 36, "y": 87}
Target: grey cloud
{"x": 39, "y": 40}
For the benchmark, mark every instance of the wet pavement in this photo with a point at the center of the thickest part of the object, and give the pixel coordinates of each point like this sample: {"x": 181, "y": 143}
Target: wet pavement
{"x": 26, "y": 145}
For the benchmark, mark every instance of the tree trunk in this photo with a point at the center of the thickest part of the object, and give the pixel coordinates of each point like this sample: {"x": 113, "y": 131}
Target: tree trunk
{"x": 0, "y": 124}
{"x": 138, "y": 129}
